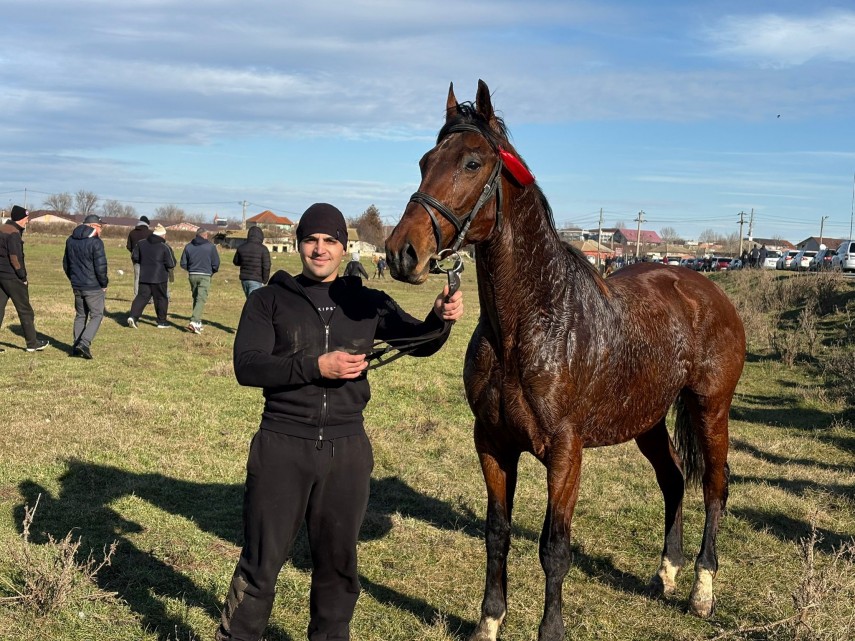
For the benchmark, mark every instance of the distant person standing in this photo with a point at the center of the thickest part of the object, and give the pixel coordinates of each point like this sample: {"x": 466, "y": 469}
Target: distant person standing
{"x": 381, "y": 268}
{"x": 13, "y": 277}
{"x": 138, "y": 233}
{"x": 155, "y": 260}
{"x": 201, "y": 260}
{"x": 85, "y": 264}
{"x": 253, "y": 258}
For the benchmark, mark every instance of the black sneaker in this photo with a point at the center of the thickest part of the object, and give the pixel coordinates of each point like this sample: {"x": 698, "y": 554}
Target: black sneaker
{"x": 83, "y": 350}
{"x": 39, "y": 346}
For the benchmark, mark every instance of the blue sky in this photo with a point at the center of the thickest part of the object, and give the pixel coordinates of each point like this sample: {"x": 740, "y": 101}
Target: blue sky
{"x": 689, "y": 111}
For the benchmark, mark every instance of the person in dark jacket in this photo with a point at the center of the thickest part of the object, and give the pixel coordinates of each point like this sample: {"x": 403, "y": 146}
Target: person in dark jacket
{"x": 156, "y": 261}
{"x": 304, "y": 340}
{"x": 201, "y": 260}
{"x": 13, "y": 277}
{"x": 85, "y": 264}
{"x": 253, "y": 258}
{"x": 355, "y": 268}
{"x": 138, "y": 233}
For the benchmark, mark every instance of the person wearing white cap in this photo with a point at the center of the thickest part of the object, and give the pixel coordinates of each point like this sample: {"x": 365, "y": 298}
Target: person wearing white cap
{"x": 156, "y": 261}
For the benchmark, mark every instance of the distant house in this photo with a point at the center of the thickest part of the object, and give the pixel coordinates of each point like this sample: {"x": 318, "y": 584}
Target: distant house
{"x": 356, "y": 245}
{"x": 812, "y": 243}
{"x": 626, "y": 236}
{"x": 270, "y": 222}
{"x": 777, "y": 244}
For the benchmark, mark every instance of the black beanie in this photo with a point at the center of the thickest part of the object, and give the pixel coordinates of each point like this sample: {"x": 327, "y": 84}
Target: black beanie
{"x": 322, "y": 218}
{"x": 19, "y": 213}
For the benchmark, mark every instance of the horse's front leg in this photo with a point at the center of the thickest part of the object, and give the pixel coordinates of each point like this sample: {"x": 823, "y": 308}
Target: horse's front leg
{"x": 500, "y": 475}
{"x": 563, "y": 468}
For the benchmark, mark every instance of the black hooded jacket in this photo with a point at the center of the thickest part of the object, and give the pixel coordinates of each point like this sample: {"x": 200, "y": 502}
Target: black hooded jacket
{"x": 155, "y": 258}
{"x": 84, "y": 260}
{"x": 281, "y": 335}
{"x": 253, "y": 257}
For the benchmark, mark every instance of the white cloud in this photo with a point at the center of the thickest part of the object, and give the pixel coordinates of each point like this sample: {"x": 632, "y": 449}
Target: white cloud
{"x": 780, "y": 41}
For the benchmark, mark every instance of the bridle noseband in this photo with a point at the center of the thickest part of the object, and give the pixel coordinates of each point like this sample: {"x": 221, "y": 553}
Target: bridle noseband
{"x": 461, "y": 225}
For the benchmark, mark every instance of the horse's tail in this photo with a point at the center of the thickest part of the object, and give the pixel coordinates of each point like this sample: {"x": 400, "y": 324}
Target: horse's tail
{"x": 686, "y": 442}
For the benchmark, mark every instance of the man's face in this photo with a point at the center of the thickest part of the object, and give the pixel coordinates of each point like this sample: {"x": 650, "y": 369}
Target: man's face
{"x": 321, "y": 255}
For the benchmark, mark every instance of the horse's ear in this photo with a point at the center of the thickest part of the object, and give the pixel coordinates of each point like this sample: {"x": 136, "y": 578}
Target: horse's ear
{"x": 451, "y": 103}
{"x": 483, "y": 104}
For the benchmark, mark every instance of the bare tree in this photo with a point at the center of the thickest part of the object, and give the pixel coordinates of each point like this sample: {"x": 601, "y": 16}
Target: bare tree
{"x": 170, "y": 213}
{"x": 60, "y": 203}
{"x": 118, "y": 210}
{"x": 620, "y": 225}
{"x": 708, "y": 236}
{"x": 369, "y": 226}
{"x": 669, "y": 234}
{"x": 85, "y": 202}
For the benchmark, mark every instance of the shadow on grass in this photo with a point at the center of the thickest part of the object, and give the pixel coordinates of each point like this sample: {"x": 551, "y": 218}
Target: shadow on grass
{"x": 141, "y": 579}
{"x": 225, "y": 328}
{"x": 786, "y": 528}
{"x": 18, "y": 330}
{"x": 841, "y": 442}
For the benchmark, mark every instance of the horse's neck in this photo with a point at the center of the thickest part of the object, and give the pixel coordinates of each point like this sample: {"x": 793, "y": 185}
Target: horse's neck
{"x": 526, "y": 276}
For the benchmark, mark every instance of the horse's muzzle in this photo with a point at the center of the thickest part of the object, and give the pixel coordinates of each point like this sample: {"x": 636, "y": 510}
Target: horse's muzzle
{"x": 403, "y": 264}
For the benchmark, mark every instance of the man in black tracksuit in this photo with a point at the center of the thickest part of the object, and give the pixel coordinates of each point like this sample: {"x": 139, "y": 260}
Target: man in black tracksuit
{"x": 303, "y": 340}
{"x": 14, "y": 282}
{"x": 156, "y": 261}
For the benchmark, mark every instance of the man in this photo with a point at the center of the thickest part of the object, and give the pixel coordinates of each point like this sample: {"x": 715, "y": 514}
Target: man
{"x": 253, "y": 258}
{"x": 201, "y": 260}
{"x": 155, "y": 260}
{"x": 303, "y": 340}
{"x": 85, "y": 264}
{"x": 13, "y": 277}
{"x": 355, "y": 268}
{"x": 138, "y": 233}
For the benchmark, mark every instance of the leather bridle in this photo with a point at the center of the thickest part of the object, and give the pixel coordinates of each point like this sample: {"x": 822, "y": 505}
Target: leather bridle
{"x": 461, "y": 225}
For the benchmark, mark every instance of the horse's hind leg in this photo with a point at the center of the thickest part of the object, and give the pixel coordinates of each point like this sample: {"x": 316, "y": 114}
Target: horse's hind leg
{"x": 709, "y": 416}
{"x": 656, "y": 446}
{"x": 500, "y": 475}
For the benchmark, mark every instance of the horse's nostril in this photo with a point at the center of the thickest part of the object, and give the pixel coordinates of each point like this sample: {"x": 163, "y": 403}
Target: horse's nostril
{"x": 410, "y": 257}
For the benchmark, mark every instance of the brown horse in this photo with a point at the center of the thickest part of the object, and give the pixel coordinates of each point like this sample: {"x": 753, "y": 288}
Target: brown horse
{"x": 563, "y": 359}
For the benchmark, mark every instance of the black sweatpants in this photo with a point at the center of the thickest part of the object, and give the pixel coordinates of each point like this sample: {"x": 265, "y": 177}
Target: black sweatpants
{"x": 156, "y": 291}
{"x": 20, "y": 294}
{"x": 289, "y": 480}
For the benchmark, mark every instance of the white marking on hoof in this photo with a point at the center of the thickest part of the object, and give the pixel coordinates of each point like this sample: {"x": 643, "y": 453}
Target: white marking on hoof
{"x": 702, "y": 600}
{"x": 664, "y": 582}
{"x": 488, "y": 629}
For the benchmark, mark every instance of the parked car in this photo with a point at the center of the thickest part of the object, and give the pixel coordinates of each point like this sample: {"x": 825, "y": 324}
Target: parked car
{"x": 720, "y": 263}
{"x": 735, "y": 263}
{"x": 801, "y": 261}
{"x": 786, "y": 259}
{"x": 671, "y": 260}
{"x": 771, "y": 261}
{"x": 822, "y": 261}
{"x": 844, "y": 258}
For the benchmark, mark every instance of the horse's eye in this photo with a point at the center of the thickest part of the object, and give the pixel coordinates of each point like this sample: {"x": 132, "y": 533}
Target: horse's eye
{"x": 473, "y": 165}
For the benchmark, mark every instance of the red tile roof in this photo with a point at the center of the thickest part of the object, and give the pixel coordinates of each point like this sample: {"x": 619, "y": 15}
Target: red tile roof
{"x": 269, "y": 218}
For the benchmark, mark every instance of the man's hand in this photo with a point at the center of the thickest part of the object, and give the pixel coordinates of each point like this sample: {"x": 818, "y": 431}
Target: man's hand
{"x": 342, "y": 365}
{"x": 449, "y": 310}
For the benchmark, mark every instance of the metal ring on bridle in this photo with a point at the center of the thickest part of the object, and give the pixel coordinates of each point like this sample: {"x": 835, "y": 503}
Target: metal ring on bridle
{"x": 449, "y": 253}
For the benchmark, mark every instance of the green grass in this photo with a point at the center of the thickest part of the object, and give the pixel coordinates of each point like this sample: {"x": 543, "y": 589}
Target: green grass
{"x": 146, "y": 445}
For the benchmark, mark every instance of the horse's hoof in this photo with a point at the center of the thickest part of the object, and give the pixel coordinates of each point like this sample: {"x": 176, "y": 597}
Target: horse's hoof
{"x": 658, "y": 589}
{"x": 702, "y": 608}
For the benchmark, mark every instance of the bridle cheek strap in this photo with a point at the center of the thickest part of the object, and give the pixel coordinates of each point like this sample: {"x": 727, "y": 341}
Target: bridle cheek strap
{"x": 461, "y": 226}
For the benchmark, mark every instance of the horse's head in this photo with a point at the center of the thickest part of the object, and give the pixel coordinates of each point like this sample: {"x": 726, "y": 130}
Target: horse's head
{"x": 459, "y": 199}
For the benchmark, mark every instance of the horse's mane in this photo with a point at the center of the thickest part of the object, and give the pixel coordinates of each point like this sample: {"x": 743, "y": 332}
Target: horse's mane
{"x": 497, "y": 135}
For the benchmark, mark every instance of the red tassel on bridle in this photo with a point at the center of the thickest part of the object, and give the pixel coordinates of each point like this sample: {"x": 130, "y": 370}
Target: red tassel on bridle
{"x": 518, "y": 170}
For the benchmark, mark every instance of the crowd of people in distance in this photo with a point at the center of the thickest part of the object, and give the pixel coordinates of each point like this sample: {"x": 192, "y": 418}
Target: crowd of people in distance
{"x": 84, "y": 262}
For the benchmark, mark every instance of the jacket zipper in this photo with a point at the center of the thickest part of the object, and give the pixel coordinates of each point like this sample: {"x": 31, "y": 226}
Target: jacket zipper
{"x": 324, "y": 408}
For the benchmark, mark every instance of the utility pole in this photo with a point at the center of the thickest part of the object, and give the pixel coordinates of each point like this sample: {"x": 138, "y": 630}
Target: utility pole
{"x": 741, "y": 223}
{"x": 599, "y": 237}
{"x": 639, "y": 220}
{"x": 244, "y": 203}
{"x": 821, "y": 227}
{"x": 25, "y": 198}
{"x": 751, "y": 226}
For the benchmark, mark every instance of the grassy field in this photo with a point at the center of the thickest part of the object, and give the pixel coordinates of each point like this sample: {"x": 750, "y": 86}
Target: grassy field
{"x": 145, "y": 447}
